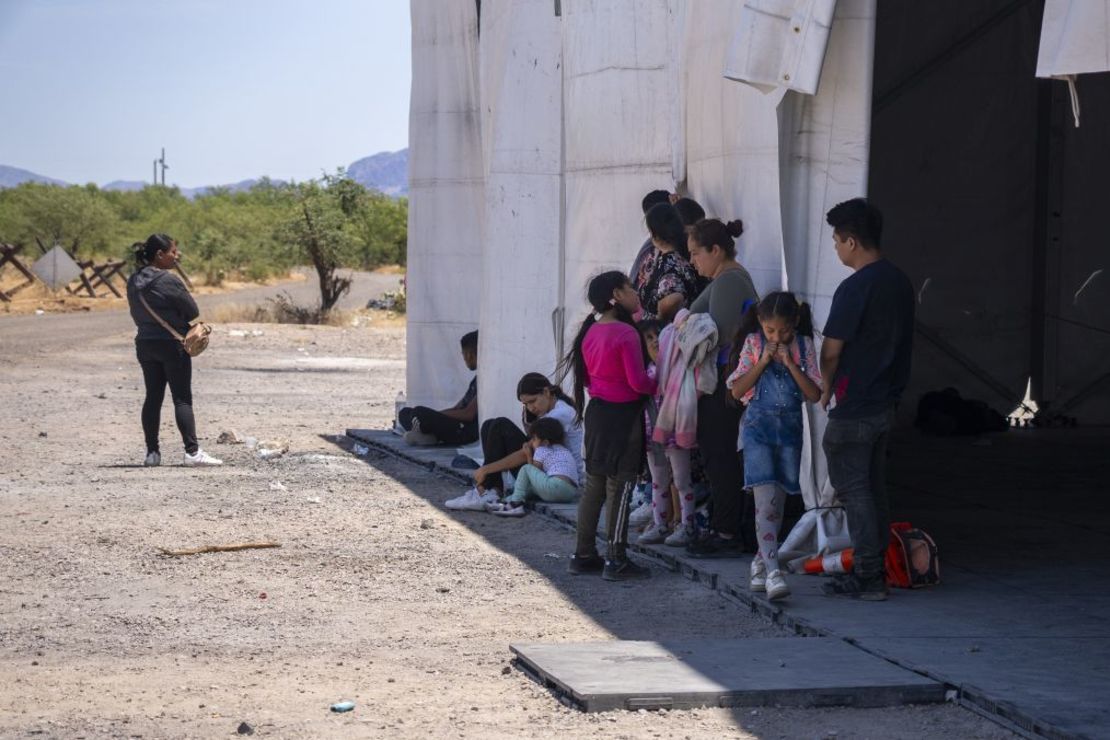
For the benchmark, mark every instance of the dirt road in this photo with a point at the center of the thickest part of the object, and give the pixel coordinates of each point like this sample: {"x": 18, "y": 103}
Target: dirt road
{"x": 378, "y": 594}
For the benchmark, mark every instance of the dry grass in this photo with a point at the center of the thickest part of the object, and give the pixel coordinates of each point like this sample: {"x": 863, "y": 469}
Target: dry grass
{"x": 240, "y": 313}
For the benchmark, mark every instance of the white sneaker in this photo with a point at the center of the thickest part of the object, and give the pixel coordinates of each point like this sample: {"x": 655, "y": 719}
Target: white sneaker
{"x": 641, "y": 516}
{"x": 201, "y": 460}
{"x": 472, "y": 500}
{"x": 153, "y": 460}
{"x": 757, "y": 582}
{"x": 417, "y": 438}
{"x": 681, "y": 537}
{"x": 776, "y": 586}
{"x": 654, "y": 535}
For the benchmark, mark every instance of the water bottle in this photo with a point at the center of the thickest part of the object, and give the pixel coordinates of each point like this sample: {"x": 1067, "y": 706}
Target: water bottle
{"x": 397, "y": 406}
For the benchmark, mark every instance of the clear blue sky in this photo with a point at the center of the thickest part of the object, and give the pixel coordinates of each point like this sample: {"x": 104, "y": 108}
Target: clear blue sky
{"x": 90, "y": 90}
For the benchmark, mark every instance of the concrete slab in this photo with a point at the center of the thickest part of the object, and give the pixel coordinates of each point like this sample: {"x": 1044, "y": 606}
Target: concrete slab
{"x": 1021, "y": 623}
{"x": 600, "y": 676}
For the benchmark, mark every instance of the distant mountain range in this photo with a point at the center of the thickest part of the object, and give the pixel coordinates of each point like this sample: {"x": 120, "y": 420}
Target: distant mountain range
{"x": 387, "y": 172}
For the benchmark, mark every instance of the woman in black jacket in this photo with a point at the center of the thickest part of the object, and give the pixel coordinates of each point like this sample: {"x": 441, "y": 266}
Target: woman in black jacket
{"x": 153, "y": 289}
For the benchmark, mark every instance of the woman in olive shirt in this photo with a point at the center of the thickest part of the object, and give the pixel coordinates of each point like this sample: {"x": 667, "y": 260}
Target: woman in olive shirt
{"x": 713, "y": 254}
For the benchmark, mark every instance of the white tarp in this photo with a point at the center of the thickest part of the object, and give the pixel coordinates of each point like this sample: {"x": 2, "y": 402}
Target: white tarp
{"x": 781, "y": 44}
{"x": 584, "y": 113}
{"x": 521, "y": 62}
{"x": 1075, "y": 38}
{"x": 446, "y": 199}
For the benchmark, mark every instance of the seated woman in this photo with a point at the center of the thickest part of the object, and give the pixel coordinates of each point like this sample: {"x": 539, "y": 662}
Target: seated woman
{"x": 457, "y": 425}
{"x": 503, "y": 441}
{"x": 550, "y": 474}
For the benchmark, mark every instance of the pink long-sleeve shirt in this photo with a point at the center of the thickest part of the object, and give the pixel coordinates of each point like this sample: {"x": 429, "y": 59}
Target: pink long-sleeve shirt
{"x": 615, "y": 363}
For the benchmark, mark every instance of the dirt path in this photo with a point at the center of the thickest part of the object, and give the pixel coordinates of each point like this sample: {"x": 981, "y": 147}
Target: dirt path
{"x": 378, "y": 594}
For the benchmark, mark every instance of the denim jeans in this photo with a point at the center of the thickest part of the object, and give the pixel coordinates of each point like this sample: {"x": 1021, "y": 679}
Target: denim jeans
{"x": 856, "y": 453}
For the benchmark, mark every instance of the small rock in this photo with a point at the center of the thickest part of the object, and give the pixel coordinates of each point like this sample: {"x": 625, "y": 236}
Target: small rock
{"x": 101, "y": 396}
{"x": 229, "y": 437}
{"x": 42, "y": 434}
{"x": 245, "y": 729}
{"x": 313, "y": 499}
{"x": 427, "y": 524}
{"x": 973, "y": 649}
{"x": 442, "y": 589}
{"x": 391, "y": 680}
{"x": 276, "y": 485}
{"x": 506, "y": 671}
{"x": 262, "y": 595}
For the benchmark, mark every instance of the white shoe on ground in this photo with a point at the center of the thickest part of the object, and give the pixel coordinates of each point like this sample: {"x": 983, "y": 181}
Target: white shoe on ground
{"x": 776, "y": 586}
{"x": 653, "y": 535}
{"x": 153, "y": 460}
{"x": 681, "y": 537}
{"x": 641, "y": 516}
{"x": 201, "y": 459}
{"x": 757, "y": 582}
{"x": 417, "y": 438}
{"x": 472, "y": 500}
{"x": 507, "y": 508}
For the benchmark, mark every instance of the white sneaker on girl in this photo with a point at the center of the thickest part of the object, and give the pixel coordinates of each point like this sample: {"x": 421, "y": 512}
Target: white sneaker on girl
{"x": 776, "y": 586}
{"x": 757, "y": 582}
{"x": 653, "y": 535}
{"x": 681, "y": 537}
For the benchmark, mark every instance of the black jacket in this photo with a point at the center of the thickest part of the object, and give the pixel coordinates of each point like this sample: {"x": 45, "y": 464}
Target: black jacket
{"x": 167, "y": 296}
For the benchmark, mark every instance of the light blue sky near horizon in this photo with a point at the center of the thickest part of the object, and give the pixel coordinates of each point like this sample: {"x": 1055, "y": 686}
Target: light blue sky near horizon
{"x": 91, "y": 90}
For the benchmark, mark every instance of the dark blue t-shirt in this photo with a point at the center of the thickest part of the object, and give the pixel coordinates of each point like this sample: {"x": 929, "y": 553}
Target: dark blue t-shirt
{"x": 872, "y": 312}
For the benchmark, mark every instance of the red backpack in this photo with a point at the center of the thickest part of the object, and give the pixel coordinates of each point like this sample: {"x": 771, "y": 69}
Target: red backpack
{"x": 911, "y": 558}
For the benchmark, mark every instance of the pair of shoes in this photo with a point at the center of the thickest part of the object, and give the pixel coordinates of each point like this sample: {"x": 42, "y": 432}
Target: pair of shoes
{"x": 640, "y": 516}
{"x": 581, "y": 565}
{"x": 854, "y": 587}
{"x": 417, "y": 438}
{"x": 624, "y": 570}
{"x": 153, "y": 459}
{"x": 715, "y": 546}
{"x": 472, "y": 500}
{"x": 757, "y": 576}
{"x": 653, "y": 535}
{"x": 776, "y": 586}
{"x": 507, "y": 508}
{"x": 681, "y": 537}
{"x": 200, "y": 459}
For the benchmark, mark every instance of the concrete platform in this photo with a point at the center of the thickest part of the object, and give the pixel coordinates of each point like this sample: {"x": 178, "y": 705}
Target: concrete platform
{"x": 1020, "y": 626}
{"x": 600, "y": 676}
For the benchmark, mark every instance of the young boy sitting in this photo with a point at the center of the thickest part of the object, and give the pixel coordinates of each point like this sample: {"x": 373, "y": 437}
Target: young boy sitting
{"x": 457, "y": 425}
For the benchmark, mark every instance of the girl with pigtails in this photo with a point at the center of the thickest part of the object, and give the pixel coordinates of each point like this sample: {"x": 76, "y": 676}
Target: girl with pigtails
{"x": 776, "y": 374}
{"x": 609, "y": 359}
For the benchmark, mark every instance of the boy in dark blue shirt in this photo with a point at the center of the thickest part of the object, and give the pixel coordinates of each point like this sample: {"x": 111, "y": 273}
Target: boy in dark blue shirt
{"x": 457, "y": 425}
{"x": 865, "y": 365}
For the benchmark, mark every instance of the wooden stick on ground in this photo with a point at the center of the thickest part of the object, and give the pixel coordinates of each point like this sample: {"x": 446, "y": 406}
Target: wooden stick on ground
{"x": 220, "y": 548}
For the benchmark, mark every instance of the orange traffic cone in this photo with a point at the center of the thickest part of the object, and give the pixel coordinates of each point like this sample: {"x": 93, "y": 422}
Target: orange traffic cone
{"x": 837, "y": 562}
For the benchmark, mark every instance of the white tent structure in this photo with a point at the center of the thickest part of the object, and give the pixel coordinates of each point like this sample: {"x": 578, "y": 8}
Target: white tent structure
{"x": 538, "y": 125}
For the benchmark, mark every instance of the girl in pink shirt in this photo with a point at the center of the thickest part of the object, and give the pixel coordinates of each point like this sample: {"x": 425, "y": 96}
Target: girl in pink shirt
{"x": 609, "y": 359}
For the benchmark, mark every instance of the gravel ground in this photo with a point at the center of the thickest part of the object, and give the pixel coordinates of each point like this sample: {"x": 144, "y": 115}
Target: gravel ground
{"x": 378, "y": 594}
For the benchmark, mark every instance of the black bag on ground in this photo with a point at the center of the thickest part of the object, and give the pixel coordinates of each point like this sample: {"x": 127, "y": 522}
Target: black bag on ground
{"x": 946, "y": 414}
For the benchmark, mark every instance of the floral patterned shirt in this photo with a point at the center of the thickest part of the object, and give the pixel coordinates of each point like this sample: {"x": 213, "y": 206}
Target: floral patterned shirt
{"x": 662, "y": 274}
{"x": 753, "y": 348}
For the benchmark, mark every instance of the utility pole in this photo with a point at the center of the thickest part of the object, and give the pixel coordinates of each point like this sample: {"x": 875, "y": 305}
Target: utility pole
{"x": 155, "y": 180}
{"x": 162, "y": 163}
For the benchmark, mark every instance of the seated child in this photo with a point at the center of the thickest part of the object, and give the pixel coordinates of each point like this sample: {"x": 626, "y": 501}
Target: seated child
{"x": 551, "y": 473}
{"x": 457, "y": 425}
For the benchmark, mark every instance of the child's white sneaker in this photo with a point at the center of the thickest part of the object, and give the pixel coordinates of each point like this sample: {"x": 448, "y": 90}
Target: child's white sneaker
{"x": 640, "y": 516}
{"x": 201, "y": 459}
{"x": 681, "y": 537}
{"x": 776, "y": 586}
{"x": 153, "y": 459}
{"x": 757, "y": 580}
{"x": 653, "y": 535}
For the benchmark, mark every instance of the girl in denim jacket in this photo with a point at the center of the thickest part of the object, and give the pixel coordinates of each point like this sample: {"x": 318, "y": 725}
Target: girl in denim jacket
{"x": 777, "y": 372}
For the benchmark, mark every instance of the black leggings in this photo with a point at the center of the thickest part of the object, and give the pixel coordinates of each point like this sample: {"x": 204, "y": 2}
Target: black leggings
{"x": 447, "y": 430}
{"x": 731, "y": 509}
{"x": 165, "y": 361}
{"x": 500, "y": 438}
